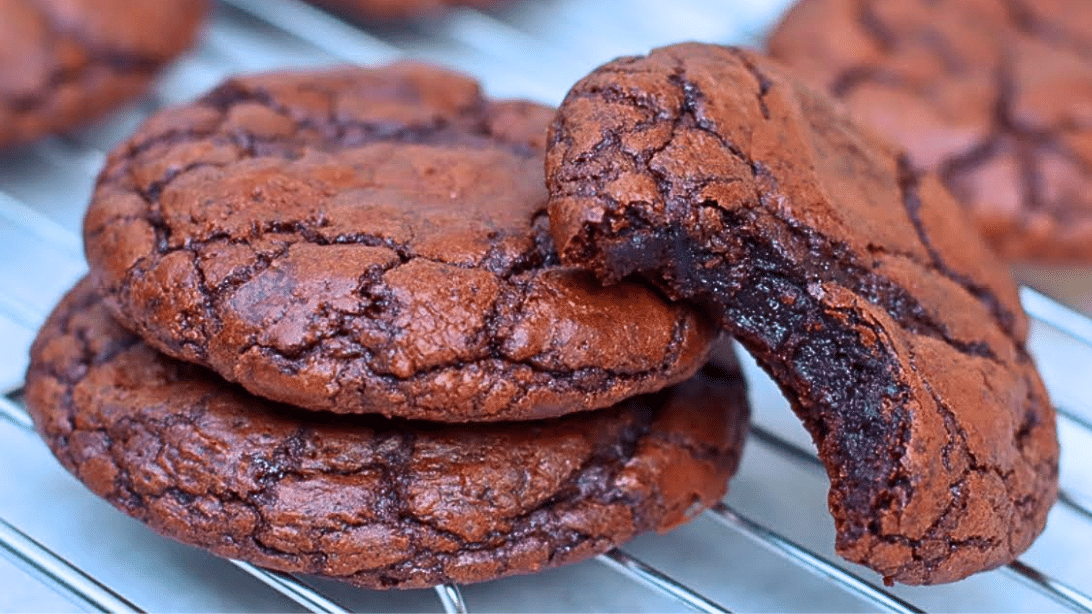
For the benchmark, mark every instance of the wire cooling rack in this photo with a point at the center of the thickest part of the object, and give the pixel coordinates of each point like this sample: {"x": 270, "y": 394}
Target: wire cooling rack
{"x": 767, "y": 546}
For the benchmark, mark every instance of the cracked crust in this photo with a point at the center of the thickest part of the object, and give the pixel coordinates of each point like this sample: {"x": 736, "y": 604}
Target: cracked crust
{"x": 64, "y": 62}
{"x": 371, "y": 501}
{"x": 359, "y": 240}
{"x": 995, "y": 96}
{"x": 893, "y": 333}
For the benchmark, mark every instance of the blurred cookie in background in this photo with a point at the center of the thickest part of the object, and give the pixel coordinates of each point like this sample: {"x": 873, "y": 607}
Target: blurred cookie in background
{"x": 994, "y": 95}
{"x": 64, "y": 62}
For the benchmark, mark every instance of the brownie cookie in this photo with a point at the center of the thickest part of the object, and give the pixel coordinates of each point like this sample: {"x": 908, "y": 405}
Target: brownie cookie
{"x": 376, "y": 502}
{"x": 362, "y": 240}
{"x": 995, "y": 96}
{"x": 891, "y": 329}
{"x": 396, "y": 10}
{"x": 63, "y": 62}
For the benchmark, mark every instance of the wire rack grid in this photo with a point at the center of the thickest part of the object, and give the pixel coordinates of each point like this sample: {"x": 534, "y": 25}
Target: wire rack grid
{"x": 767, "y": 546}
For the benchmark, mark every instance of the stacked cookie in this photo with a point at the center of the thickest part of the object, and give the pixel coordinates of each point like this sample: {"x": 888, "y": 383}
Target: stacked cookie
{"x": 297, "y": 253}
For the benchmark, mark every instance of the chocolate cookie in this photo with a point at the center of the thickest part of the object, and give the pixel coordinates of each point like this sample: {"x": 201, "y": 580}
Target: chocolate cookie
{"x": 995, "y": 96}
{"x": 66, "y": 62}
{"x": 376, "y": 502}
{"x": 891, "y": 329}
{"x": 362, "y": 240}
{"x": 396, "y": 10}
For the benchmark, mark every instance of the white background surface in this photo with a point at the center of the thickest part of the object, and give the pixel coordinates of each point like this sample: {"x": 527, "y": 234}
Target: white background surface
{"x": 536, "y": 51}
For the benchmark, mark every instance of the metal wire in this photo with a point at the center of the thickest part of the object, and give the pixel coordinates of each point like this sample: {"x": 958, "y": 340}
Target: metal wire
{"x": 324, "y": 31}
{"x": 1059, "y": 591}
{"x": 658, "y": 581}
{"x": 810, "y": 561}
{"x": 1075, "y": 418}
{"x": 1068, "y": 500}
{"x": 292, "y": 588}
{"x": 452, "y": 599}
{"x": 1051, "y": 312}
{"x": 15, "y": 414}
{"x": 69, "y": 580}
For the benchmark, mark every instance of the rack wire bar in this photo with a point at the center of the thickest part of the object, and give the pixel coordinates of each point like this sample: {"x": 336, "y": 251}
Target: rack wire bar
{"x": 452, "y": 598}
{"x": 15, "y": 414}
{"x": 810, "y": 561}
{"x": 1046, "y": 585}
{"x": 317, "y": 27}
{"x": 1054, "y": 314}
{"x": 1033, "y": 578}
{"x": 1067, "y": 499}
{"x": 653, "y": 578}
{"x": 1075, "y": 418}
{"x": 292, "y": 588}
{"x": 71, "y": 581}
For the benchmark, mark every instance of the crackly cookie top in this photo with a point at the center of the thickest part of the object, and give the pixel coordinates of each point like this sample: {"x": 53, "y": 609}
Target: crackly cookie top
{"x": 376, "y": 502}
{"x": 896, "y": 336}
{"x": 993, "y": 95}
{"x": 358, "y": 240}
{"x": 63, "y": 62}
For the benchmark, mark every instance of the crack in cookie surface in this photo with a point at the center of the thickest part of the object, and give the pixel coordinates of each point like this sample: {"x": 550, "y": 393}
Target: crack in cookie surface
{"x": 892, "y": 331}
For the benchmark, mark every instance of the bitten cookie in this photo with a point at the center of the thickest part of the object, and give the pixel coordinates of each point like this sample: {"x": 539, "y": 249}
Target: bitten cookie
{"x": 65, "y": 62}
{"x": 995, "y": 96}
{"x": 371, "y": 501}
{"x": 361, "y": 240}
{"x": 854, "y": 281}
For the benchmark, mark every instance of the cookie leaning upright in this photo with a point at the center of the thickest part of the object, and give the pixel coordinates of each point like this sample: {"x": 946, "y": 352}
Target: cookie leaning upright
{"x": 370, "y": 240}
{"x": 896, "y": 336}
{"x": 64, "y": 63}
{"x": 995, "y": 96}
